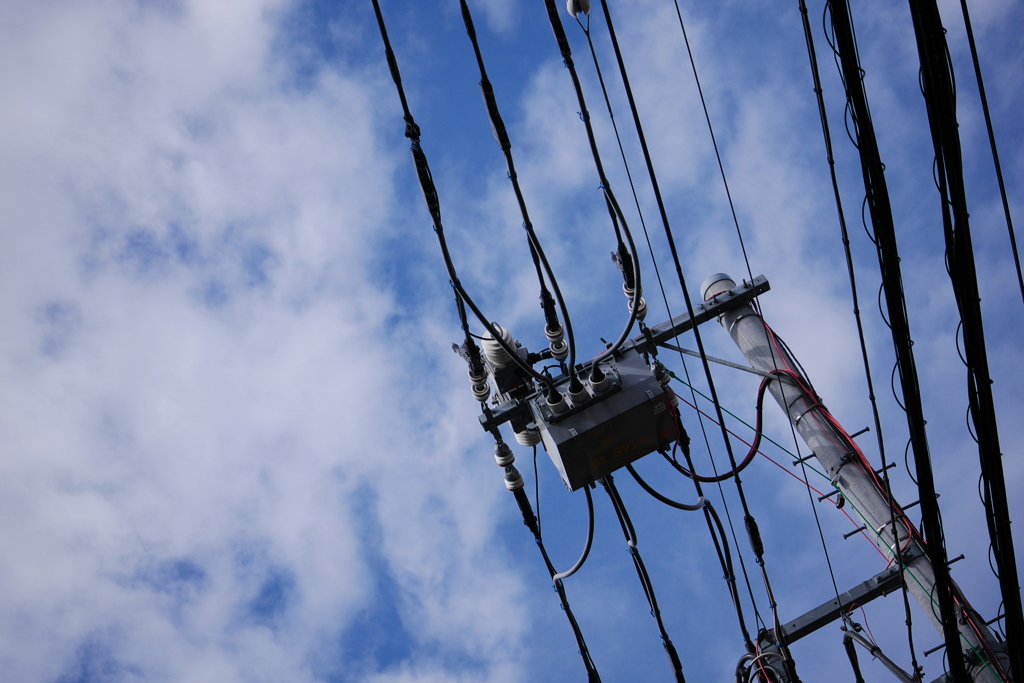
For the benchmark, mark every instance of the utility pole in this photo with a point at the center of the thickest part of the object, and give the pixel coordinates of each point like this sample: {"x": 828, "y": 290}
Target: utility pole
{"x": 841, "y": 460}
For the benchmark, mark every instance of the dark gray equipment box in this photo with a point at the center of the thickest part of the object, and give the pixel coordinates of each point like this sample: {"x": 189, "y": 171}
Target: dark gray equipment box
{"x": 611, "y": 430}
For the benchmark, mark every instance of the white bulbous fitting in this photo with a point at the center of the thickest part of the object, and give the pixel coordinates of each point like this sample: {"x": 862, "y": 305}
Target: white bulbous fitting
{"x": 528, "y": 437}
{"x": 513, "y": 480}
{"x": 498, "y": 356}
{"x": 577, "y": 6}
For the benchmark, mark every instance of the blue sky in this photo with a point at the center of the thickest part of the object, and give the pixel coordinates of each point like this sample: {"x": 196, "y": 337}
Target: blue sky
{"x": 236, "y": 444}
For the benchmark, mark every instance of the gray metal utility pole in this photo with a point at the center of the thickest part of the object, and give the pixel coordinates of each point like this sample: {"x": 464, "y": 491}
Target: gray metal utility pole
{"x": 838, "y": 457}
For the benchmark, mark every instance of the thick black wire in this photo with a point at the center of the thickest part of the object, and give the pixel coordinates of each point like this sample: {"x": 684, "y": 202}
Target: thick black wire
{"x": 939, "y": 90}
{"x": 536, "y": 251}
{"x": 826, "y": 133}
{"x": 664, "y": 296}
{"x": 628, "y": 258}
{"x": 531, "y": 522}
{"x": 645, "y": 580}
{"x": 724, "y": 555}
{"x": 749, "y": 520}
{"x": 412, "y": 131}
{"x": 992, "y": 143}
{"x": 888, "y": 256}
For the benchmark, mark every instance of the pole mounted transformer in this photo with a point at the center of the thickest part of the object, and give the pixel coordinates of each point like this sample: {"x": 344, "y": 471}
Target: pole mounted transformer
{"x": 885, "y": 521}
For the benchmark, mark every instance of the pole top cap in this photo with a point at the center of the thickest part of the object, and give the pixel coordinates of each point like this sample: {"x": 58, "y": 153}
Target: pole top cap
{"x": 715, "y": 285}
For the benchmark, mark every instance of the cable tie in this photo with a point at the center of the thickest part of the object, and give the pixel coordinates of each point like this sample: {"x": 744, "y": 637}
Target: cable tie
{"x": 455, "y": 283}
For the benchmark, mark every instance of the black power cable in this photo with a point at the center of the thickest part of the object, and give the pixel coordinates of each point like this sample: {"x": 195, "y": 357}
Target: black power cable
{"x": 751, "y": 524}
{"x": 940, "y": 97}
{"x": 627, "y": 258}
{"x": 880, "y": 441}
{"x": 992, "y": 143}
{"x": 892, "y": 281}
{"x": 514, "y": 482}
{"x": 645, "y": 580}
{"x": 412, "y": 131}
{"x": 540, "y": 260}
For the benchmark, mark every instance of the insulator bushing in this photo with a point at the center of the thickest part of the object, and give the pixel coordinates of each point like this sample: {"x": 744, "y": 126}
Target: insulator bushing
{"x": 641, "y": 309}
{"x": 503, "y": 455}
{"x": 498, "y": 356}
{"x": 528, "y": 437}
{"x": 577, "y": 6}
{"x": 599, "y": 381}
{"x": 513, "y": 480}
{"x": 559, "y": 349}
{"x": 481, "y": 391}
{"x": 579, "y": 397}
{"x": 661, "y": 373}
{"x": 559, "y": 405}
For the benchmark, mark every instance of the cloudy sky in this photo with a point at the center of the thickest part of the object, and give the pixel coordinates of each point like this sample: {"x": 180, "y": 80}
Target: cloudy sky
{"x": 236, "y": 445}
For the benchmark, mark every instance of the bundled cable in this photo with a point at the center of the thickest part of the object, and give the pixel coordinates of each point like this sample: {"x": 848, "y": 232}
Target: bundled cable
{"x": 426, "y": 181}
{"x": 559, "y": 348}
{"x": 645, "y": 580}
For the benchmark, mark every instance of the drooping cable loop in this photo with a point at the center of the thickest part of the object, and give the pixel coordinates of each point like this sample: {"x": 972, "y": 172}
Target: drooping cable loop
{"x": 724, "y": 555}
{"x": 645, "y": 580}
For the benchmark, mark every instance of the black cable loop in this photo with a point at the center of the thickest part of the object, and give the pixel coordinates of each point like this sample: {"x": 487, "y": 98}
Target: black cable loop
{"x": 724, "y": 558}
{"x": 881, "y": 305}
{"x": 641, "y": 569}
{"x": 892, "y": 386}
{"x": 864, "y": 222}
{"x": 728, "y": 514}
{"x": 530, "y": 520}
{"x": 906, "y": 463}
